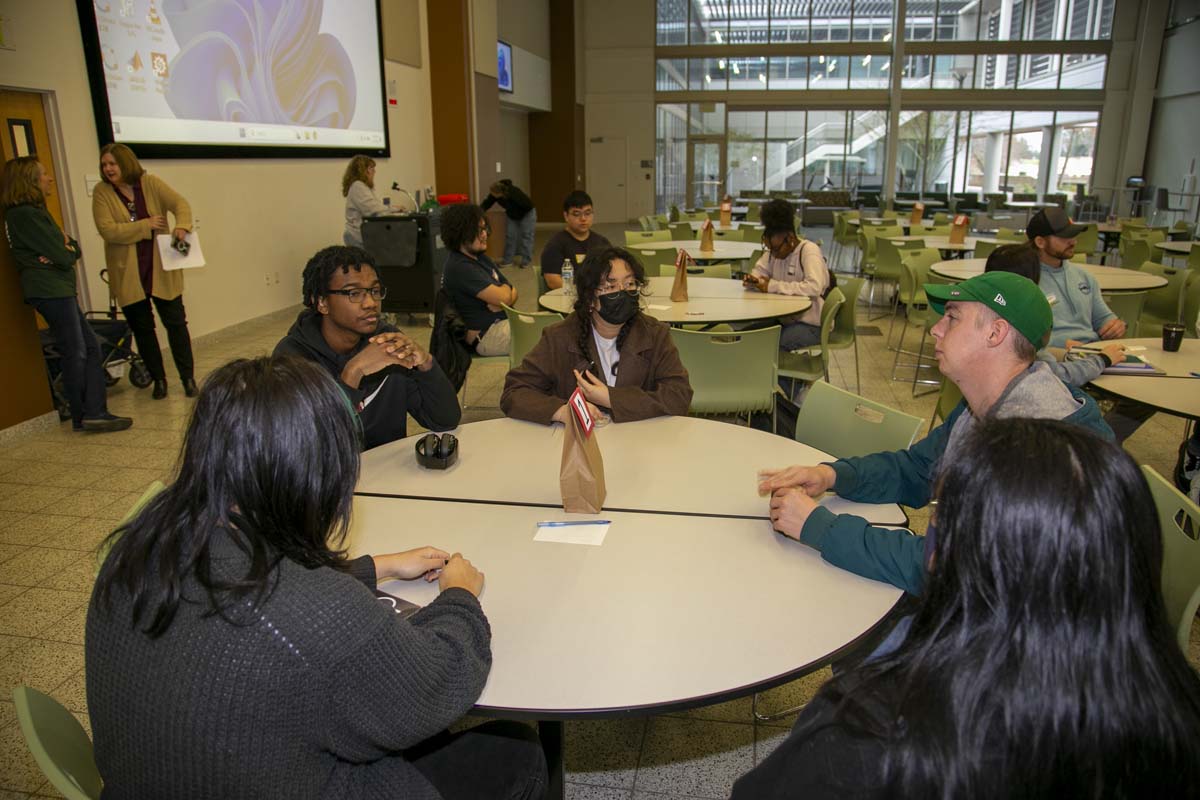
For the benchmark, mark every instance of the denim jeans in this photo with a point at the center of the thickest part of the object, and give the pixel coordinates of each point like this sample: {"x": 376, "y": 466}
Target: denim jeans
{"x": 79, "y": 356}
{"x": 141, "y": 319}
{"x": 519, "y": 240}
{"x": 501, "y": 760}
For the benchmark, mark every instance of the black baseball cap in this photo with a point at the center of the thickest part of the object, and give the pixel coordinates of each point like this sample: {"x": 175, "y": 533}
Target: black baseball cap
{"x": 1053, "y": 221}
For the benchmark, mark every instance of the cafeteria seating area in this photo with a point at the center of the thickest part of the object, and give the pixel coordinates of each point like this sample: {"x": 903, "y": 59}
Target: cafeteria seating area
{"x": 60, "y": 494}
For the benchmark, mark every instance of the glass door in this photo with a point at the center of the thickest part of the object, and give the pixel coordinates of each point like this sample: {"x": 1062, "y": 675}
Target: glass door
{"x": 706, "y": 171}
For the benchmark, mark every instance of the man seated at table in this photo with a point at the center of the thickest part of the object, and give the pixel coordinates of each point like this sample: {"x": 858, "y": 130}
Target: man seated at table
{"x": 986, "y": 343}
{"x": 476, "y": 286}
{"x": 573, "y": 242}
{"x": 622, "y": 360}
{"x": 794, "y": 267}
{"x": 386, "y": 374}
{"x": 1073, "y": 366}
{"x": 1080, "y": 313}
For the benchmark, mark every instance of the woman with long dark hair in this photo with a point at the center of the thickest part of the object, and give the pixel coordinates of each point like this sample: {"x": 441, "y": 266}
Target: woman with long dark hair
{"x": 622, "y": 360}
{"x": 1040, "y": 662}
{"x": 45, "y": 260}
{"x": 232, "y": 650}
{"x": 130, "y": 208}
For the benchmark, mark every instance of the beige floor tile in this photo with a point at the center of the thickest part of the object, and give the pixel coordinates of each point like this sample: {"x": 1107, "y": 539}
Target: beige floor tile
{"x": 77, "y": 576}
{"x": 18, "y": 497}
{"x": 69, "y": 629}
{"x": 9, "y": 551}
{"x": 86, "y": 502}
{"x": 35, "y": 529}
{"x": 41, "y": 664}
{"x": 72, "y": 693}
{"x": 37, "y": 564}
{"x": 8, "y": 518}
{"x": 37, "y": 609}
{"x": 18, "y": 770}
{"x": 129, "y": 479}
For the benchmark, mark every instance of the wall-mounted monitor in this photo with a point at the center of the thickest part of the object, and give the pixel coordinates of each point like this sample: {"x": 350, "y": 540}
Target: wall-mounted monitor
{"x": 233, "y": 78}
{"x": 504, "y": 66}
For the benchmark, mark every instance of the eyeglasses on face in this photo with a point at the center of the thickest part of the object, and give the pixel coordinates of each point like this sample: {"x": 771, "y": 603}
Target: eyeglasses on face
{"x": 357, "y": 296}
{"x": 609, "y": 286}
{"x": 581, "y": 213}
{"x": 485, "y": 229}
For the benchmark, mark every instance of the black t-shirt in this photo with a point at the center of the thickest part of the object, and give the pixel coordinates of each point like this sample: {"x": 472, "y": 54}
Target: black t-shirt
{"x": 464, "y": 278}
{"x": 563, "y": 245}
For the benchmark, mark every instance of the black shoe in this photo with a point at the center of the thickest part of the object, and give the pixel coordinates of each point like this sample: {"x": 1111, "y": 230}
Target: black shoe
{"x": 189, "y": 387}
{"x": 106, "y": 424}
{"x": 160, "y": 389}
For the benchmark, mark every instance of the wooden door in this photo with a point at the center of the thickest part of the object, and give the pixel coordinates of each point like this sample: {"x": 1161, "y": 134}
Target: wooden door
{"x": 27, "y": 392}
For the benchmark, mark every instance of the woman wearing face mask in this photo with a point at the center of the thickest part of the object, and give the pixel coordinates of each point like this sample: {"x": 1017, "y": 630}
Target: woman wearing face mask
{"x": 791, "y": 266}
{"x": 623, "y": 361}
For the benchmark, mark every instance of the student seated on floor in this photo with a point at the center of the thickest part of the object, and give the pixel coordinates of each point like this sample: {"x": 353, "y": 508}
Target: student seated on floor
{"x": 386, "y": 374}
{"x": 986, "y": 343}
{"x": 622, "y": 360}
{"x": 234, "y": 651}
{"x": 1040, "y": 662}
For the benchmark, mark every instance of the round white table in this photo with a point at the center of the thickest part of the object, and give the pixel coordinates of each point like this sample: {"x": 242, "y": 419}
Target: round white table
{"x": 928, "y": 203}
{"x": 691, "y": 599}
{"x": 903, "y": 223}
{"x": 743, "y": 210}
{"x": 1029, "y": 204}
{"x": 1112, "y": 280}
{"x": 1177, "y": 249}
{"x": 710, "y": 300}
{"x": 723, "y": 249}
{"x": 1178, "y": 392}
{"x": 943, "y": 242}
{"x": 734, "y": 225}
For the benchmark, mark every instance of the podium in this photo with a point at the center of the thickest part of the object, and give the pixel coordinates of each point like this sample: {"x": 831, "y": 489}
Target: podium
{"x": 409, "y": 258}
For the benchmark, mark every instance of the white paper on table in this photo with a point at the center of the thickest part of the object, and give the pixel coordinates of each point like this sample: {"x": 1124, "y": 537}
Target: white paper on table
{"x": 653, "y": 307}
{"x": 173, "y": 259}
{"x": 572, "y": 534}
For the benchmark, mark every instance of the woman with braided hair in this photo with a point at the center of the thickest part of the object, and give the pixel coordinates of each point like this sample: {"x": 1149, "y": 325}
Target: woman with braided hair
{"x": 622, "y": 360}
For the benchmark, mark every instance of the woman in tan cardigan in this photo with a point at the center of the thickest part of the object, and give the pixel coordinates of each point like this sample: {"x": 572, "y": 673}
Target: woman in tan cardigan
{"x": 130, "y": 209}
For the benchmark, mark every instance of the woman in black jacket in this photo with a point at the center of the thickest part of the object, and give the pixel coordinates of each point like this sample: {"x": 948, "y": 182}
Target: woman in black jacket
{"x": 233, "y": 651}
{"x": 1040, "y": 662}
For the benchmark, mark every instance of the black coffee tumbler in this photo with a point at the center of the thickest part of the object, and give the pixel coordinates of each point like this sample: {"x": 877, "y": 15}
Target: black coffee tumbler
{"x": 1172, "y": 337}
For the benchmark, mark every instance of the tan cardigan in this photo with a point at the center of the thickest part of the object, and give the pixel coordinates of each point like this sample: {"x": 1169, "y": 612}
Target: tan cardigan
{"x": 121, "y": 237}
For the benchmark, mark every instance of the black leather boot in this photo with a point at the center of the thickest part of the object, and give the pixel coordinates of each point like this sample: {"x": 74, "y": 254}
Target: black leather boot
{"x": 160, "y": 388}
{"x": 189, "y": 387}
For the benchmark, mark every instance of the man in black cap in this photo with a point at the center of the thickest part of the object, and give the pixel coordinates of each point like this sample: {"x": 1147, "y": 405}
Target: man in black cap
{"x": 1080, "y": 314}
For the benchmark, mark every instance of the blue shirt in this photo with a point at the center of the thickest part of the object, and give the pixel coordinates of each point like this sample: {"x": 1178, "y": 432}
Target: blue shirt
{"x": 1079, "y": 310}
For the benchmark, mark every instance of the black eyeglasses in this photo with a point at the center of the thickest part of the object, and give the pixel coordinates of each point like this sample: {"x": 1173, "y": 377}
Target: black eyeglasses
{"x": 356, "y": 296}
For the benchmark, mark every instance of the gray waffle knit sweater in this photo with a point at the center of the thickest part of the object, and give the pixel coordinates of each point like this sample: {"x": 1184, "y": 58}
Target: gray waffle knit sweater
{"x": 315, "y": 698}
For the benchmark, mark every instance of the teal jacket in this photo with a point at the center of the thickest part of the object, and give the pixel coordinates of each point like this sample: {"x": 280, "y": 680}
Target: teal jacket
{"x": 33, "y": 234}
{"x": 904, "y": 476}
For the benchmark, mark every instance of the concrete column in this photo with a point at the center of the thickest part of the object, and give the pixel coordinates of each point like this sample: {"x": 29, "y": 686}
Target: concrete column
{"x": 1047, "y": 161}
{"x": 992, "y": 157}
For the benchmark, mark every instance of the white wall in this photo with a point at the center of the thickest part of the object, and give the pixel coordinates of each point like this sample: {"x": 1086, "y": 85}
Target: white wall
{"x": 258, "y": 217}
{"x": 1173, "y": 150}
{"x": 514, "y": 147}
{"x": 619, "y": 92}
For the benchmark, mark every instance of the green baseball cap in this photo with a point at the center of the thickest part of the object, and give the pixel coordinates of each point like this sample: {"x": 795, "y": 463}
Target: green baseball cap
{"x": 1014, "y": 298}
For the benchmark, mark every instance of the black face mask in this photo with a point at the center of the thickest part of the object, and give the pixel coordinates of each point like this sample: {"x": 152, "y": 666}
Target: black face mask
{"x": 618, "y": 308}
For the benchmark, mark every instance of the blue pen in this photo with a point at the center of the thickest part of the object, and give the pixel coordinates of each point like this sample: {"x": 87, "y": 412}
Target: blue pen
{"x": 568, "y": 523}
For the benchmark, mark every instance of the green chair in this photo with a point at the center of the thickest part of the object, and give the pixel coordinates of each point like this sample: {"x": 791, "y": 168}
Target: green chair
{"x": 753, "y": 212}
{"x": 1163, "y": 304}
{"x": 681, "y": 231}
{"x": 661, "y": 221}
{"x": 941, "y": 218}
{"x": 540, "y": 279}
{"x": 914, "y": 269}
{"x": 1179, "y": 521}
{"x": 845, "y": 326}
{"x": 59, "y": 744}
{"x": 657, "y": 262}
{"x": 1087, "y": 242}
{"x": 805, "y": 364}
{"x": 634, "y": 238}
{"x": 887, "y": 264}
{"x": 1011, "y": 235}
{"x": 1127, "y": 306}
{"x": 983, "y": 248}
{"x": 845, "y": 425}
{"x": 701, "y": 271}
{"x": 526, "y": 328}
{"x": 693, "y": 216}
{"x": 645, "y": 223}
{"x": 949, "y": 396}
{"x": 1193, "y": 260}
{"x": 730, "y": 372}
{"x": 1191, "y": 305}
{"x": 1137, "y": 251}
{"x": 937, "y": 230}
{"x": 845, "y": 236}
{"x": 732, "y": 234}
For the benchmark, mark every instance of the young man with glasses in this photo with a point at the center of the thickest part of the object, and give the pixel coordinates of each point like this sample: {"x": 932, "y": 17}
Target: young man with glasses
{"x": 476, "y": 286}
{"x": 385, "y": 374}
{"x": 573, "y": 242}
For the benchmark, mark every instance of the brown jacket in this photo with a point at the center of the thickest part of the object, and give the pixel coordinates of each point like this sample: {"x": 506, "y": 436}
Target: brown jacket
{"x": 651, "y": 381}
{"x": 121, "y": 237}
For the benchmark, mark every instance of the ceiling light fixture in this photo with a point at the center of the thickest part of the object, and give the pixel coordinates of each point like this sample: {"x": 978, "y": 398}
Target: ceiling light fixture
{"x": 721, "y": 63}
{"x": 867, "y": 60}
{"x": 820, "y": 59}
{"x": 762, "y": 77}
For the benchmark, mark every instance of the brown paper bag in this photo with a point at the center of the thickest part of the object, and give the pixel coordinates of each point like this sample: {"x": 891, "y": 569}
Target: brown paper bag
{"x": 706, "y": 236}
{"x": 581, "y": 475}
{"x": 679, "y": 292}
{"x": 727, "y": 212}
{"x": 917, "y": 212}
{"x": 958, "y": 231}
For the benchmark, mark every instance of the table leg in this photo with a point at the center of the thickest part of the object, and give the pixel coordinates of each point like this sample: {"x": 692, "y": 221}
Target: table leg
{"x": 551, "y": 733}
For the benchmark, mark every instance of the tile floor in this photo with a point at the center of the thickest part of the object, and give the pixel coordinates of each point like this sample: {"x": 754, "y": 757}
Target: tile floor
{"x": 61, "y": 493}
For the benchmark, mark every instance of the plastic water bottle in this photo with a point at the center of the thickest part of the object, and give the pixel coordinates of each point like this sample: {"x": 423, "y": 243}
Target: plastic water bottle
{"x": 568, "y": 278}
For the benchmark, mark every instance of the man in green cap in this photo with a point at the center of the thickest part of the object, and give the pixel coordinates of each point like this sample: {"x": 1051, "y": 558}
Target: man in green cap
{"x": 986, "y": 342}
